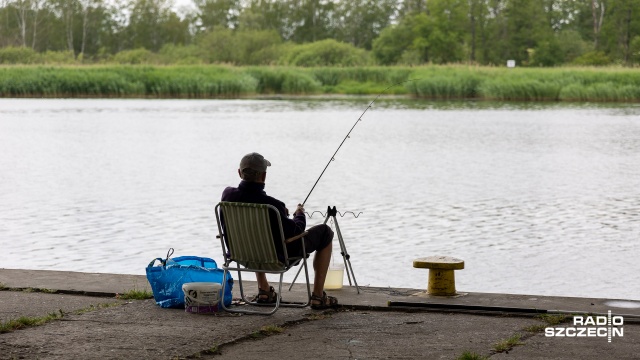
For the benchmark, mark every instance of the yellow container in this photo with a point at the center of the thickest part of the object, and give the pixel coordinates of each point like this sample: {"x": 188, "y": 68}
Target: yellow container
{"x": 335, "y": 276}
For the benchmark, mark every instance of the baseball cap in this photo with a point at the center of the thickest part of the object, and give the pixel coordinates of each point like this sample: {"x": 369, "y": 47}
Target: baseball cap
{"x": 254, "y": 161}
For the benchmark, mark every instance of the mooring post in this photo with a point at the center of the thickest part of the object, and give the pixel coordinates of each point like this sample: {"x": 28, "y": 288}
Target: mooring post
{"x": 442, "y": 280}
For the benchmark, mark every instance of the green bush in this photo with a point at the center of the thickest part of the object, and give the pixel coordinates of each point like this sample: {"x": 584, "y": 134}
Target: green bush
{"x": 547, "y": 53}
{"x": 257, "y": 47}
{"x": 135, "y": 57}
{"x": 180, "y": 55}
{"x": 218, "y": 46}
{"x": 266, "y": 56}
{"x": 326, "y": 53}
{"x": 244, "y": 47}
{"x": 27, "y": 56}
{"x": 572, "y": 45}
{"x": 393, "y": 42}
{"x": 58, "y": 57}
{"x": 18, "y": 55}
{"x": 411, "y": 57}
{"x": 593, "y": 58}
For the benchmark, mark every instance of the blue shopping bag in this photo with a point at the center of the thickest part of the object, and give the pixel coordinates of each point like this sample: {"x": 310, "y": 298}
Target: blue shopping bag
{"x": 167, "y": 277}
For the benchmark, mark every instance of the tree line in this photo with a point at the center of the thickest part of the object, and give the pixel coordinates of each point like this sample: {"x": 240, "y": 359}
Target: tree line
{"x": 322, "y": 32}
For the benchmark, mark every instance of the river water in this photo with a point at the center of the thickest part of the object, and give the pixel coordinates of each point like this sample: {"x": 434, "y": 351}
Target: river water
{"x": 536, "y": 198}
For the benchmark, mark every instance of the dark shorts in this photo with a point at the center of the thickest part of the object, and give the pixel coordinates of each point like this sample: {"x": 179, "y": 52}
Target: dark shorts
{"x": 319, "y": 237}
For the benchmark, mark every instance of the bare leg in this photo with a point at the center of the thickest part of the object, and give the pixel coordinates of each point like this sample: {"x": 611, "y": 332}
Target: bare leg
{"x": 321, "y": 262}
{"x": 263, "y": 284}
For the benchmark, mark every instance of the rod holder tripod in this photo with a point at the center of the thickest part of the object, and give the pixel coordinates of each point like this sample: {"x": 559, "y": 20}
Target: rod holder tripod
{"x": 331, "y": 214}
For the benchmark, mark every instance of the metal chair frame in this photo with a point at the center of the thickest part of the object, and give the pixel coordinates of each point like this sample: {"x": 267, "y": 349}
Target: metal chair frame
{"x": 253, "y": 230}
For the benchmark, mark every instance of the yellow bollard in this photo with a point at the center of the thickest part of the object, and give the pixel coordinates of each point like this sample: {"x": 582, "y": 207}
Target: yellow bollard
{"x": 442, "y": 280}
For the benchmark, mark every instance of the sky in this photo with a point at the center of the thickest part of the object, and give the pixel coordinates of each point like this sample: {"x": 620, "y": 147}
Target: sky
{"x": 182, "y": 5}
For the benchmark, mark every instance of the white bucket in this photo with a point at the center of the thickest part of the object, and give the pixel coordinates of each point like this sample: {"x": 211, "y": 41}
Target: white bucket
{"x": 202, "y": 297}
{"x": 335, "y": 276}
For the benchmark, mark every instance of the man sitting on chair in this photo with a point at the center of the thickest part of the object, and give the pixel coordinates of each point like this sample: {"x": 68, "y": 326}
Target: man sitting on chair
{"x": 253, "y": 172}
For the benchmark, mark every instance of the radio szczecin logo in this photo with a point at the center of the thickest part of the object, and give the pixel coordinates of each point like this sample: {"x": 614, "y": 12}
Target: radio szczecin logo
{"x": 590, "y": 326}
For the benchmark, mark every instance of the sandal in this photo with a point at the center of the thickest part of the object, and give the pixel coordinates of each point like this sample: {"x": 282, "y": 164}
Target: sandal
{"x": 324, "y": 302}
{"x": 266, "y": 297}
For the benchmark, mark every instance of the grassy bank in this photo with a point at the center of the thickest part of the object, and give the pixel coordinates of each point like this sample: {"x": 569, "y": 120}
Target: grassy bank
{"x": 528, "y": 84}
{"x": 437, "y": 82}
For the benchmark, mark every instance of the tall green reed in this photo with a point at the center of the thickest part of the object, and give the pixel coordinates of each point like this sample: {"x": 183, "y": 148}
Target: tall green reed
{"x": 212, "y": 81}
{"x": 125, "y": 81}
{"x": 283, "y": 80}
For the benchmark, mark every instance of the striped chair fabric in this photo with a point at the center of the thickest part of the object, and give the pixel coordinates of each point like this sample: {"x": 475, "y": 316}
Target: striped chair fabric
{"x": 249, "y": 237}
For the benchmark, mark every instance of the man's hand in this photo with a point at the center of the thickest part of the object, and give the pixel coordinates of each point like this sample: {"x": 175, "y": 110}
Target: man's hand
{"x": 299, "y": 210}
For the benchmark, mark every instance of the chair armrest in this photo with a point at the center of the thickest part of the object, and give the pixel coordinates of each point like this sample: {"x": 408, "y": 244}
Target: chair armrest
{"x": 292, "y": 239}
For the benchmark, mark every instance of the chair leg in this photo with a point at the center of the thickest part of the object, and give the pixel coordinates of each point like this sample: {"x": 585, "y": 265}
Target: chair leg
{"x": 248, "y": 311}
{"x": 224, "y": 286}
{"x": 278, "y": 303}
{"x": 295, "y": 278}
{"x": 242, "y": 296}
{"x": 306, "y": 273}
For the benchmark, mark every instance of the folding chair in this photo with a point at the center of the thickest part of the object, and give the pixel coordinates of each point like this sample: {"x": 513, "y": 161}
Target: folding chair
{"x": 248, "y": 241}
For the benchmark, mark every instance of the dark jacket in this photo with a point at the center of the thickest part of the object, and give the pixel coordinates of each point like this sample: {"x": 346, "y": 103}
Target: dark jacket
{"x": 250, "y": 192}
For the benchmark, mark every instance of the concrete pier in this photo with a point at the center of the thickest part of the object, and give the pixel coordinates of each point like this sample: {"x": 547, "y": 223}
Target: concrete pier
{"x": 92, "y": 323}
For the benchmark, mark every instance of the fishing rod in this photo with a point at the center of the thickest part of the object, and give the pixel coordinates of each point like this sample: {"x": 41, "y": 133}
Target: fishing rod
{"x": 349, "y": 133}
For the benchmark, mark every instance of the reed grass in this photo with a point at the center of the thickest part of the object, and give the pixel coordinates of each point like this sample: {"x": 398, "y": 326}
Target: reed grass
{"x": 283, "y": 80}
{"x": 195, "y": 82}
{"x": 333, "y": 76}
{"x": 445, "y": 87}
{"x": 519, "y": 90}
{"x": 125, "y": 81}
{"x": 350, "y": 87}
{"x": 527, "y": 84}
{"x": 607, "y": 91}
{"x": 217, "y": 81}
